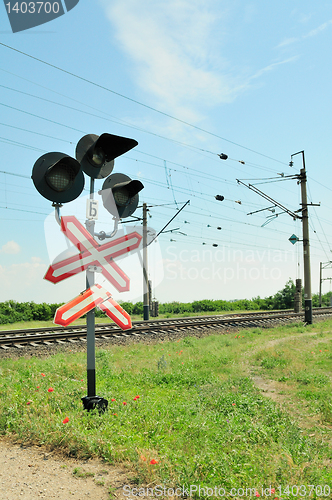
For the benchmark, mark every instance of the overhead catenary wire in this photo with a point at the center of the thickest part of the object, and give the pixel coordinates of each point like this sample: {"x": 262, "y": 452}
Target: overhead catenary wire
{"x": 175, "y": 186}
{"x": 139, "y": 103}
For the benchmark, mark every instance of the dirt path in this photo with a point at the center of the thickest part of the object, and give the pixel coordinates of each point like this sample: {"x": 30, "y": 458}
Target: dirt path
{"x": 31, "y": 473}
{"x": 276, "y": 391}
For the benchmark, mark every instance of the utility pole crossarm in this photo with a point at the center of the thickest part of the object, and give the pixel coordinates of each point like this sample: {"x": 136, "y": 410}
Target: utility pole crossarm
{"x": 271, "y": 200}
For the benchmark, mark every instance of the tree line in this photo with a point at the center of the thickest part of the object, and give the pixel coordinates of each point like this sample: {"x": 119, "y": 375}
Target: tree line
{"x": 13, "y": 312}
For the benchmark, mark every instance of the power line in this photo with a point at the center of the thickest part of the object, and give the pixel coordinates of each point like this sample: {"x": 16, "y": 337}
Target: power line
{"x": 40, "y": 117}
{"x": 138, "y": 102}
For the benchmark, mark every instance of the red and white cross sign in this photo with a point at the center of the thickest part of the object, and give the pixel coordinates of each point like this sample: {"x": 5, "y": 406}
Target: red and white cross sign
{"x": 93, "y": 254}
{"x": 86, "y": 301}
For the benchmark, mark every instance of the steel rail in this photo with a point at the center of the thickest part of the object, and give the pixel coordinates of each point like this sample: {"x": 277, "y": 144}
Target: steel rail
{"x": 37, "y": 337}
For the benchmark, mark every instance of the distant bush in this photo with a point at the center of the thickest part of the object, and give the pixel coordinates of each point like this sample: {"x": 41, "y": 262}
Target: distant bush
{"x": 12, "y": 311}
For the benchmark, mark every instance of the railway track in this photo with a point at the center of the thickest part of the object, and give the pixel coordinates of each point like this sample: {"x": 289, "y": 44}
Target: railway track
{"x": 44, "y": 337}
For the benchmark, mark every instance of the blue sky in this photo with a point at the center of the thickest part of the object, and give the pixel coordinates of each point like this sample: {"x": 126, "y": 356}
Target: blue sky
{"x": 188, "y": 80}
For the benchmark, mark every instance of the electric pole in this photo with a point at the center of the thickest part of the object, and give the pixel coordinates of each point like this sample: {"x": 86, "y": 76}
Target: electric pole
{"x": 322, "y": 265}
{"x": 302, "y": 179}
{"x": 306, "y": 246}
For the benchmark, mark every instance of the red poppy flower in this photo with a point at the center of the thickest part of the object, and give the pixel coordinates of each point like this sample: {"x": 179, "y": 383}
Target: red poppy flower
{"x": 65, "y": 421}
{"x": 124, "y": 403}
{"x": 273, "y": 490}
{"x": 29, "y": 402}
{"x": 233, "y": 404}
{"x": 50, "y": 389}
{"x": 113, "y": 399}
{"x": 257, "y": 494}
{"x": 153, "y": 462}
{"x": 43, "y": 374}
{"x": 115, "y": 414}
{"x": 137, "y": 397}
{"x": 38, "y": 386}
{"x": 143, "y": 458}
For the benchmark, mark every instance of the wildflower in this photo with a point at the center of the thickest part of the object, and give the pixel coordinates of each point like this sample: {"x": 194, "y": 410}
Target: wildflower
{"x": 137, "y": 397}
{"x": 82, "y": 380}
{"x": 50, "y": 389}
{"x": 124, "y": 403}
{"x": 273, "y": 490}
{"x": 38, "y": 386}
{"x": 143, "y": 458}
{"x": 29, "y": 402}
{"x": 153, "y": 462}
{"x": 320, "y": 350}
{"x": 257, "y": 494}
{"x": 43, "y": 374}
{"x": 65, "y": 421}
{"x": 233, "y": 404}
{"x": 113, "y": 399}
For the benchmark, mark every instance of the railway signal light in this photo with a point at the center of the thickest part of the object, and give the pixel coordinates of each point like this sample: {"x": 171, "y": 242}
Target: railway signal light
{"x": 96, "y": 154}
{"x": 58, "y": 177}
{"x": 120, "y": 195}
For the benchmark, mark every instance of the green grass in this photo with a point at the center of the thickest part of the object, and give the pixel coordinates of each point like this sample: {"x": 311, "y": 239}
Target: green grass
{"x": 198, "y": 415}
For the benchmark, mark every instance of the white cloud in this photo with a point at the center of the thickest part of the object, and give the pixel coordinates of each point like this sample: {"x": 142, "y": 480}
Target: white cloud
{"x": 11, "y": 247}
{"x": 271, "y": 66}
{"x": 318, "y": 30}
{"x": 314, "y": 32}
{"x": 17, "y": 279}
{"x": 176, "y": 49}
{"x": 24, "y": 283}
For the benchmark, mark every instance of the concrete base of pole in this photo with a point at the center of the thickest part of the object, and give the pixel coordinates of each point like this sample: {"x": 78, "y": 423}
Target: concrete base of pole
{"x": 146, "y": 312}
{"x": 308, "y": 311}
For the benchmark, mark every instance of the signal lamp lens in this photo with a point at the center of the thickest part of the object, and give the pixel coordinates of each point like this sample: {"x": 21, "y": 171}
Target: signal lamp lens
{"x": 98, "y": 157}
{"x": 60, "y": 177}
{"x": 121, "y": 197}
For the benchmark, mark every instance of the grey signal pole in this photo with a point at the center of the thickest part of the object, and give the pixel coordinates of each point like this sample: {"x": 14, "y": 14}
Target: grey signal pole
{"x": 90, "y": 318}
